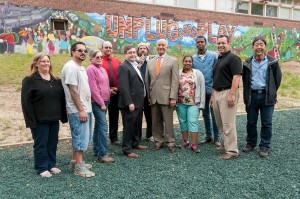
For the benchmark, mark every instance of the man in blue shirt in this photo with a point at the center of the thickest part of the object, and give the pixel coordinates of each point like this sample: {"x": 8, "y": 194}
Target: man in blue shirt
{"x": 204, "y": 61}
{"x": 261, "y": 80}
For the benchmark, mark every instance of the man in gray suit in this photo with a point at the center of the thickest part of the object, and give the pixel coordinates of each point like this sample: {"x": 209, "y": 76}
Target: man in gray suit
{"x": 162, "y": 86}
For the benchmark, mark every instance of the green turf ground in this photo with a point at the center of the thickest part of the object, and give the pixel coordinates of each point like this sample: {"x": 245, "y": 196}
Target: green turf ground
{"x": 163, "y": 175}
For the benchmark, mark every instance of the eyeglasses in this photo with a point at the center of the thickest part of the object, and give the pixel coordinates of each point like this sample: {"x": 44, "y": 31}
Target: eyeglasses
{"x": 99, "y": 57}
{"x": 81, "y": 51}
{"x": 108, "y": 47}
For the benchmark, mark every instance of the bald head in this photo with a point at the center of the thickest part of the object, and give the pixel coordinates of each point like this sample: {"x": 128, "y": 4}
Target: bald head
{"x": 161, "y": 46}
{"x": 107, "y": 48}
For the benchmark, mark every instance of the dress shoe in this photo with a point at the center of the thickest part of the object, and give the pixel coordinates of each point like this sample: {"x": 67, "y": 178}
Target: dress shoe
{"x": 106, "y": 159}
{"x": 156, "y": 148}
{"x": 132, "y": 155}
{"x": 220, "y": 148}
{"x": 217, "y": 142}
{"x": 171, "y": 149}
{"x": 248, "y": 148}
{"x": 263, "y": 153}
{"x": 117, "y": 143}
{"x": 141, "y": 147}
{"x": 228, "y": 156}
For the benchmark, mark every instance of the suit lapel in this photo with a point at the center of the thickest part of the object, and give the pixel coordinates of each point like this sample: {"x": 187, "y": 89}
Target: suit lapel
{"x": 163, "y": 64}
{"x": 134, "y": 71}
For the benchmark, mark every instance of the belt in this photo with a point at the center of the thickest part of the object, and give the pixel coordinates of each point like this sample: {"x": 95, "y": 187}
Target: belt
{"x": 222, "y": 89}
{"x": 259, "y": 91}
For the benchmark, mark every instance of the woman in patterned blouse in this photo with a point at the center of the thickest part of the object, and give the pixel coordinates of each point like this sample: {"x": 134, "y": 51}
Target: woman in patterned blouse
{"x": 191, "y": 98}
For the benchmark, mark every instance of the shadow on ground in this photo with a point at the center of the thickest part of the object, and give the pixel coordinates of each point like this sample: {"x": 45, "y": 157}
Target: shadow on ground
{"x": 183, "y": 174}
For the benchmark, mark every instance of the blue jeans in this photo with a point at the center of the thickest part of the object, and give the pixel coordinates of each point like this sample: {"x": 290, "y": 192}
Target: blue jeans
{"x": 45, "y": 137}
{"x": 100, "y": 131}
{"x": 266, "y": 113}
{"x": 209, "y": 120}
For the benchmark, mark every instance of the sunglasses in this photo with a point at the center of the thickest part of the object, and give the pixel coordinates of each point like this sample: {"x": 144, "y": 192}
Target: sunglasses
{"x": 99, "y": 57}
{"x": 108, "y": 47}
{"x": 81, "y": 51}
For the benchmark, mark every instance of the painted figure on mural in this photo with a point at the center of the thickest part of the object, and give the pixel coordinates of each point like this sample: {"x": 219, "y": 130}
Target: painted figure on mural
{"x": 10, "y": 39}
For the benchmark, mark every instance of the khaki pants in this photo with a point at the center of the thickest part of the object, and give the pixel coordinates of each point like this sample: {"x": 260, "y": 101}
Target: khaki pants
{"x": 162, "y": 119}
{"x": 226, "y": 119}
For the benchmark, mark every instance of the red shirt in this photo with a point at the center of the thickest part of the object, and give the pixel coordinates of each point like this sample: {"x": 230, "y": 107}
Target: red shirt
{"x": 115, "y": 64}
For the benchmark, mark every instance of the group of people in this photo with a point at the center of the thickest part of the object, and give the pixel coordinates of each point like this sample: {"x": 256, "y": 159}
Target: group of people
{"x": 156, "y": 87}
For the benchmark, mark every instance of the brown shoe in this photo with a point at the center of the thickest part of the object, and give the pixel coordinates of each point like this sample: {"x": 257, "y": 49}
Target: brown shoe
{"x": 228, "y": 156}
{"x": 156, "y": 148}
{"x": 106, "y": 159}
{"x": 171, "y": 149}
{"x": 248, "y": 148}
{"x": 132, "y": 155}
{"x": 141, "y": 147}
{"x": 263, "y": 153}
{"x": 220, "y": 148}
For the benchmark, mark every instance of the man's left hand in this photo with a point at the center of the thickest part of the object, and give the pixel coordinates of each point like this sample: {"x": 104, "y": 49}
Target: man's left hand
{"x": 172, "y": 102}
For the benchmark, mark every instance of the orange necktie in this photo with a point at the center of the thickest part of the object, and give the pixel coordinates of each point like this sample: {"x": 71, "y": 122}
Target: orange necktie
{"x": 158, "y": 65}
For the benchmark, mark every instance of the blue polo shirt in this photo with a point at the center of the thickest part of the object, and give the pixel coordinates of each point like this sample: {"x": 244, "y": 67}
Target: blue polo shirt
{"x": 206, "y": 64}
{"x": 259, "y": 74}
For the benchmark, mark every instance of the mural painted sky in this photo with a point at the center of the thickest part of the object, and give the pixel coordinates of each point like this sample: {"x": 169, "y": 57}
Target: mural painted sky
{"x": 30, "y": 30}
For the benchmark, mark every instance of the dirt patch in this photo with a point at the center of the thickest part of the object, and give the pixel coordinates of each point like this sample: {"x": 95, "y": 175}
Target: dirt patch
{"x": 12, "y": 125}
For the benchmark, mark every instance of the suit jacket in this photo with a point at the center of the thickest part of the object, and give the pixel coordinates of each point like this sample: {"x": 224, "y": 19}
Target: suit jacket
{"x": 163, "y": 87}
{"x": 130, "y": 85}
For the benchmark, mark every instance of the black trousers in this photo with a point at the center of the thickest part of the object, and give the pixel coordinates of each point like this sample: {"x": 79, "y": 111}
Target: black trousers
{"x": 148, "y": 117}
{"x": 130, "y": 129}
{"x": 113, "y": 115}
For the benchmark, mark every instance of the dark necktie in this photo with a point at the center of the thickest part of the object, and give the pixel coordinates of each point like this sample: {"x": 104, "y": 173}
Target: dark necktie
{"x": 111, "y": 73}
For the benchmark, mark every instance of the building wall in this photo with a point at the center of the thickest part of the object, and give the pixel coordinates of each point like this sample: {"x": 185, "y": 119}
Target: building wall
{"x": 26, "y": 27}
{"x": 147, "y": 10}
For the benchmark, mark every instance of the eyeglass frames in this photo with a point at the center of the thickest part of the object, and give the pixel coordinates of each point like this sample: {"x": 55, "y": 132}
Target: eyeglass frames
{"x": 81, "y": 51}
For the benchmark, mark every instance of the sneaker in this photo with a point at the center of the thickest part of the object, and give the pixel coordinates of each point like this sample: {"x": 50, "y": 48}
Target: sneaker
{"x": 116, "y": 143}
{"x": 45, "y": 174}
{"x": 81, "y": 170}
{"x": 55, "y": 170}
{"x": 150, "y": 139}
{"x": 248, "y": 148}
{"x": 194, "y": 147}
{"x": 185, "y": 143}
{"x": 263, "y": 153}
{"x": 217, "y": 142}
{"x": 73, "y": 162}
{"x": 106, "y": 159}
{"x": 206, "y": 141}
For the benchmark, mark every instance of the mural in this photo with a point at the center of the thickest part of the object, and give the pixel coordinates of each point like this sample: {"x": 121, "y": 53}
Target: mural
{"x": 28, "y": 29}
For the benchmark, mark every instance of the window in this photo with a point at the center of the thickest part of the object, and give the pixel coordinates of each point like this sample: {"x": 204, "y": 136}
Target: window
{"x": 288, "y": 2}
{"x": 165, "y": 2}
{"x": 224, "y": 5}
{"x": 187, "y": 3}
{"x": 285, "y": 13}
{"x": 59, "y": 24}
{"x": 297, "y": 3}
{"x": 296, "y": 15}
{"x": 257, "y": 9}
{"x": 206, "y": 5}
{"x": 242, "y": 7}
{"x": 274, "y": 1}
{"x": 271, "y": 11}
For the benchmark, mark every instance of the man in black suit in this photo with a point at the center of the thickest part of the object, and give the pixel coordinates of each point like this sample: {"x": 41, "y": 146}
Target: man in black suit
{"x": 131, "y": 99}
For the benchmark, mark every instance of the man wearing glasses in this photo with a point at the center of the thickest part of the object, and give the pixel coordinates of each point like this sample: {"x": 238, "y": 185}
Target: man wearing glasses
{"x": 79, "y": 107}
{"x": 111, "y": 65}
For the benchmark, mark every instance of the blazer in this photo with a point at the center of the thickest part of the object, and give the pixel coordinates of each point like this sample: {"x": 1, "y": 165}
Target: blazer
{"x": 130, "y": 85}
{"x": 163, "y": 87}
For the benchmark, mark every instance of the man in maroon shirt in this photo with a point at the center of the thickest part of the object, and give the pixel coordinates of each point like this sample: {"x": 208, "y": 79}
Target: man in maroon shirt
{"x": 111, "y": 64}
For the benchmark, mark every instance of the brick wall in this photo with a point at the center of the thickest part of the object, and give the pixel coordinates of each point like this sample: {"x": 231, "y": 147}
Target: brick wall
{"x": 146, "y": 10}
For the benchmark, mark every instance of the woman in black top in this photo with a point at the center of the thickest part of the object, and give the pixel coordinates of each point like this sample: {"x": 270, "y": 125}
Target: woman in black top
{"x": 43, "y": 105}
